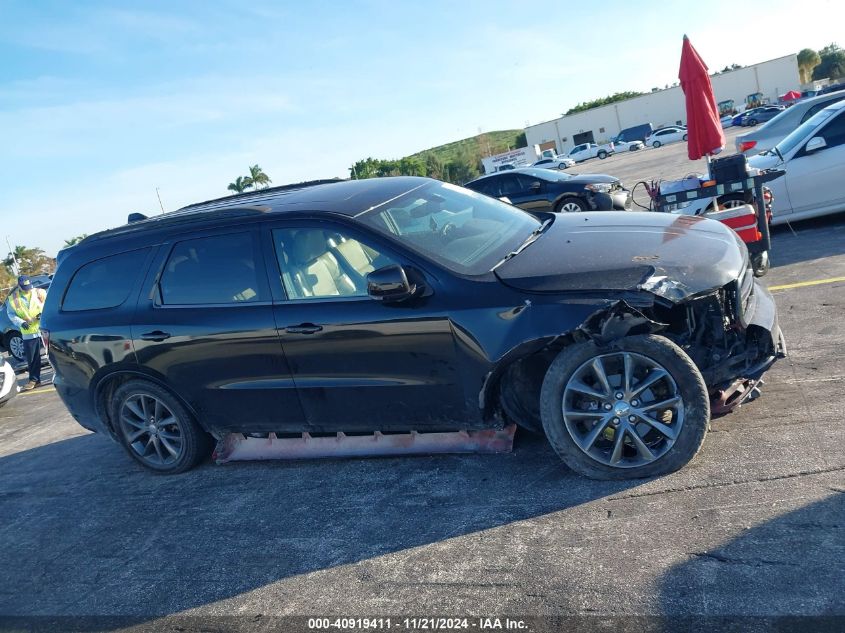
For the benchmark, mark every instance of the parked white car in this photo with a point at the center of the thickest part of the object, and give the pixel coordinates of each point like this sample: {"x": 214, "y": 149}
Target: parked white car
{"x": 559, "y": 162}
{"x": 626, "y": 146}
{"x": 666, "y": 135}
{"x": 813, "y": 157}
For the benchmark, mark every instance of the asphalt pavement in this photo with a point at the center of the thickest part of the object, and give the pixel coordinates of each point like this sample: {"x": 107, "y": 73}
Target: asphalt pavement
{"x": 754, "y": 526}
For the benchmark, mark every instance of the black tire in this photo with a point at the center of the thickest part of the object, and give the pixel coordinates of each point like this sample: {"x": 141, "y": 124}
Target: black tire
{"x": 656, "y": 144}
{"x": 571, "y": 201}
{"x": 13, "y": 342}
{"x": 752, "y": 123}
{"x": 760, "y": 264}
{"x": 196, "y": 444}
{"x": 686, "y": 380}
{"x": 602, "y": 155}
{"x": 732, "y": 200}
{"x": 685, "y": 137}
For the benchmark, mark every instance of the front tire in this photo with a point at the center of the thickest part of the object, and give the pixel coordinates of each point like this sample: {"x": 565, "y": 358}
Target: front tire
{"x": 658, "y": 414}
{"x": 156, "y": 429}
{"x": 685, "y": 137}
{"x": 571, "y": 205}
{"x": 656, "y": 144}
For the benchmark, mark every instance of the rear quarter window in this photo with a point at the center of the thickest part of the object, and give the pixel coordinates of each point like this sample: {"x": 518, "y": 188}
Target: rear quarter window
{"x": 104, "y": 283}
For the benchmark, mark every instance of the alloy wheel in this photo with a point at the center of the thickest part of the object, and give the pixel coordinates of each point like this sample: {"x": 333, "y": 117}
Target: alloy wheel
{"x": 16, "y": 347}
{"x": 151, "y": 430}
{"x": 623, "y": 409}
{"x": 570, "y": 207}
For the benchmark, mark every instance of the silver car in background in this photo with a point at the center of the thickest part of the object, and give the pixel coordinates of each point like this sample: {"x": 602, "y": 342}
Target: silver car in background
{"x": 813, "y": 157}
{"x": 775, "y": 130}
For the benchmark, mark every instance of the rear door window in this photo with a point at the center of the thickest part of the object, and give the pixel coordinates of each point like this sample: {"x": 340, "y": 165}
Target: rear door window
{"x": 220, "y": 269}
{"x": 104, "y": 283}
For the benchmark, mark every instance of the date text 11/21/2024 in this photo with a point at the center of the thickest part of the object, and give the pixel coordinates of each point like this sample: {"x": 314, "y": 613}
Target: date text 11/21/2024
{"x": 417, "y": 624}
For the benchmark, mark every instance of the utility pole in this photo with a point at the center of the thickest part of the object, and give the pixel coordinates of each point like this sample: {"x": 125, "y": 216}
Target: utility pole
{"x": 159, "y": 201}
{"x": 16, "y": 266}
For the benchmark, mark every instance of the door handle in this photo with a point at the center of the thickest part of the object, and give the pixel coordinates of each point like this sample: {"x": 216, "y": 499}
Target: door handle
{"x": 303, "y": 328}
{"x": 157, "y": 335}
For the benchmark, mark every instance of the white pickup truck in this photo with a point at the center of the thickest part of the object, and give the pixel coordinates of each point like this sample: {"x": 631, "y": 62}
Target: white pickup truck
{"x": 585, "y": 151}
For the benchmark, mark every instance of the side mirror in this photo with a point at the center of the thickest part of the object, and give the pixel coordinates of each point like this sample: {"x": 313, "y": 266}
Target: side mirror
{"x": 390, "y": 284}
{"x": 814, "y": 144}
{"x": 535, "y": 186}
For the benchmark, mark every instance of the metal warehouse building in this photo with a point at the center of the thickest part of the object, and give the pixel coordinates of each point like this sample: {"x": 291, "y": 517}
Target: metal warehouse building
{"x": 663, "y": 107}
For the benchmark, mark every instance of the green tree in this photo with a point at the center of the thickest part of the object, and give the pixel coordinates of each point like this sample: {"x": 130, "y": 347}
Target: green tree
{"x": 808, "y": 59}
{"x": 366, "y": 168}
{"x": 239, "y": 186}
{"x": 257, "y": 178}
{"x": 75, "y": 240}
{"x": 30, "y": 261}
{"x": 831, "y": 64}
{"x": 434, "y": 167}
{"x": 597, "y": 103}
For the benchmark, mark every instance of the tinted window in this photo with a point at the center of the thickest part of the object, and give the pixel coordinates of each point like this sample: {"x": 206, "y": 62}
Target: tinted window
{"x": 834, "y": 132}
{"x": 823, "y": 104}
{"x": 104, "y": 283}
{"x": 317, "y": 263}
{"x": 510, "y": 185}
{"x": 219, "y": 269}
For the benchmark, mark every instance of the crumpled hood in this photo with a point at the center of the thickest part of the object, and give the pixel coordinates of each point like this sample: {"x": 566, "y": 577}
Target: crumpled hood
{"x": 591, "y": 178}
{"x": 672, "y": 256}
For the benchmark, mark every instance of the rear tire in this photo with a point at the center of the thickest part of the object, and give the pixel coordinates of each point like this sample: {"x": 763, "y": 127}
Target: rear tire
{"x": 602, "y": 155}
{"x": 685, "y": 137}
{"x": 630, "y": 447}
{"x": 760, "y": 264}
{"x": 156, "y": 429}
{"x": 14, "y": 343}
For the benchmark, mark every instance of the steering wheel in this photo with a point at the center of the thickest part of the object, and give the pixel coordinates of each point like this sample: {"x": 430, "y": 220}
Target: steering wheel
{"x": 447, "y": 229}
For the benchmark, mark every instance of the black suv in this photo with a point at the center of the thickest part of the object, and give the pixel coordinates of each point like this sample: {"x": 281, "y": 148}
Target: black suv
{"x": 401, "y": 304}
{"x": 539, "y": 189}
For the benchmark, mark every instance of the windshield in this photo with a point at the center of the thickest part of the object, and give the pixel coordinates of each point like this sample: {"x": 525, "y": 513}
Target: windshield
{"x": 464, "y": 231}
{"x": 803, "y": 130}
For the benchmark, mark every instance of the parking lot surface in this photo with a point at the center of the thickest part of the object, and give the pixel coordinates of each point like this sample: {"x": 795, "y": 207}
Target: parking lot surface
{"x": 755, "y": 525}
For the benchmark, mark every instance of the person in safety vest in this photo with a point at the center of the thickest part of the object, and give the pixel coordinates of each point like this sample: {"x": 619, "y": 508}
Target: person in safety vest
{"x": 24, "y": 308}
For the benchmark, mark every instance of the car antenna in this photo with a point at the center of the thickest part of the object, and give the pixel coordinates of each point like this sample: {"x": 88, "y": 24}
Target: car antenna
{"x": 159, "y": 201}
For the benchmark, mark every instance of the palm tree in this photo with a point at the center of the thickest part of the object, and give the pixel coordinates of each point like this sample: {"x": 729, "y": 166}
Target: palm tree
{"x": 239, "y": 186}
{"x": 257, "y": 177}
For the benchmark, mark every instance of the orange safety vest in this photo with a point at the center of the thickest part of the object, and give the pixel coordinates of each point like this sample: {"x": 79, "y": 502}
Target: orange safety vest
{"x": 29, "y": 310}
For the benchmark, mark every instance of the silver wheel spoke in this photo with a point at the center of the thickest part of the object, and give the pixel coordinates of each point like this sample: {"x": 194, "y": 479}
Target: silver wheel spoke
{"x": 628, "y": 364}
{"x": 134, "y": 409}
{"x": 135, "y": 435}
{"x": 157, "y": 446}
{"x": 664, "y": 404}
{"x": 642, "y": 449}
{"x": 157, "y": 411}
{"x": 580, "y": 387}
{"x": 167, "y": 421}
{"x": 598, "y": 429}
{"x": 144, "y": 408}
{"x": 619, "y": 442}
{"x": 135, "y": 423}
{"x": 170, "y": 436}
{"x": 166, "y": 443}
{"x": 584, "y": 414}
{"x": 598, "y": 369}
{"x": 665, "y": 430}
{"x": 648, "y": 381}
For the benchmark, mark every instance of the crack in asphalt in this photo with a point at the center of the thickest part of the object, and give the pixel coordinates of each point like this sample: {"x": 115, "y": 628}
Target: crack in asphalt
{"x": 722, "y": 484}
{"x": 751, "y": 562}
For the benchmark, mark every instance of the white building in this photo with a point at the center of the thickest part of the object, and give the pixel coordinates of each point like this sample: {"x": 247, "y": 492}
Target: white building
{"x": 663, "y": 107}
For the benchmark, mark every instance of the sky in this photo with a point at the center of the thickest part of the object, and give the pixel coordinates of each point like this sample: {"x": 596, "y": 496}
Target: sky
{"x": 103, "y": 103}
